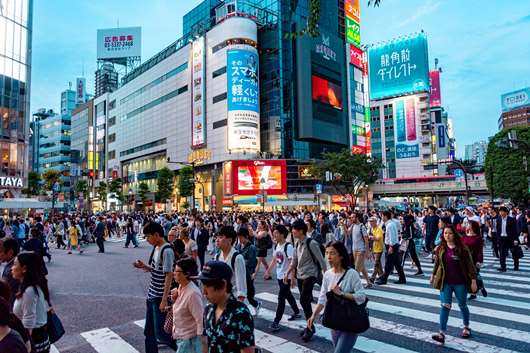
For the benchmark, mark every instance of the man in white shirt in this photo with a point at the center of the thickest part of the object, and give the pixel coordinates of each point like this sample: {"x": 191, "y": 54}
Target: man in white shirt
{"x": 392, "y": 251}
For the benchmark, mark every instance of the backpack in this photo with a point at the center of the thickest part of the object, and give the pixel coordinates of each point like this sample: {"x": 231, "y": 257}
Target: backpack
{"x": 233, "y": 262}
{"x": 164, "y": 247}
{"x": 322, "y": 250}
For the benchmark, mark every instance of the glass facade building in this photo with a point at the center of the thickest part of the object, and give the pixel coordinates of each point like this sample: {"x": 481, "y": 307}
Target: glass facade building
{"x": 15, "y": 69}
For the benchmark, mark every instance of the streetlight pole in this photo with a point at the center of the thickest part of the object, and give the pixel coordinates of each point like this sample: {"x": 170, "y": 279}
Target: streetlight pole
{"x": 464, "y": 169}
{"x": 262, "y": 187}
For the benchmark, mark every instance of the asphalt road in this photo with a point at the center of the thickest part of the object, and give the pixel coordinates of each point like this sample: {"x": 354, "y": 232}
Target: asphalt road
{"x": 101, "y": 301}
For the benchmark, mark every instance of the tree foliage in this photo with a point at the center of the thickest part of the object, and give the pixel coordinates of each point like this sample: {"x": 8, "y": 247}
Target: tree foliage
{"x": 351, "y": 172}
{"x": 34, "y": 184}
{"x": 102, "y": 191}
{"x": 81, "y": 186}
{"x": 143, "y": 189}
{"x": 116, "y": 187}
{"x": 50, "y": 177}
{"x": 185, "y": 182}
{"x": 165, "y": 183}
{"x": 505, "y": 170}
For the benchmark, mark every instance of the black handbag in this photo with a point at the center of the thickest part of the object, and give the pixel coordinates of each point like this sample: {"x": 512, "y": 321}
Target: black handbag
{"x": 346, "y": 315}
{"x": 54, "y": 326}
{"x": 517, "y": 252}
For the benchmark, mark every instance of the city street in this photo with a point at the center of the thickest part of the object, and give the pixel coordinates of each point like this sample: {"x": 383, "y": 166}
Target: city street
{"x": 101, "y": 297}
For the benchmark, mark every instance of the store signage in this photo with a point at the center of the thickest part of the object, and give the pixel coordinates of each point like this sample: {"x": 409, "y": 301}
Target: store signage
{"x": 304, "y": 172}
{"x": 435, "y": 98}
{"x": 352, "y": 10}
{"x": 356, "y": 149}
{"x": 515, "y": 99}
{"x": 198, "y": 88}
{"x": 325, "y": 50}
{"x": 227, "y": 178}
{"x": 199, "y": 156}
{"x": 243, "y": 99}
{"x": 353, "y": 32}
{"x": 116, "y": 43}
{"x": 356, "y": 56}
{"x": 399, "y": 67}
{"x": 13, "y": 182}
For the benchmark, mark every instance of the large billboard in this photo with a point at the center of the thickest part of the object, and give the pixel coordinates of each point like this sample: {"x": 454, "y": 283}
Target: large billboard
{"x": 435, "y": 98}
{"x": 116, "y": 43}
{"x": 515, "y": 99}
{"x": 243, "y": 99}
{"x": 326, "y": 92}
{"x": 259, "y": 176}
{"x": 406, "y": 128}
{"x": 399, "y": 67}
{"x": 198, "y": 90}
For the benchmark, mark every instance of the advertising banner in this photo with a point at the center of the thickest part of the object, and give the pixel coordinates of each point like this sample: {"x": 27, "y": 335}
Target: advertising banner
{"x": 435, "y": 99}
{"x": 255, "y": 177}
{"x": 80, "y": 90}
{"x": 353, "y": 32}
{"x": 116, "y": 43}
{"x": 515, "y": 99}
{"x": 198, "y": 88}
{"x": 407, "y": 151}
{"x": 352, "y": 9}
{"x": 227, "y": 178}
{"x": 399, "y": 67}
{"x": 400, "y": 121}
{"x": 243, "y": 99}
{"x": 411, "y": 120}
{"x": 441, "y": 136}
{"x": 356, "y": 56}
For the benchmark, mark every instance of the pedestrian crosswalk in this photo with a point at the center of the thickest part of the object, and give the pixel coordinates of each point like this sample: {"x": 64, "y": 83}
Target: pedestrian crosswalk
{"x": 402, "y": 318}
{"x": 123, "y": 238}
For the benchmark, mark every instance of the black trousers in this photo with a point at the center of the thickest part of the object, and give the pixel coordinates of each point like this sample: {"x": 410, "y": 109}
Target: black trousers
{"x": 495, "y": 244}
{"x": 100, "y": 244}
{"x": 504, "y": 245}
{"x": 305, "y": 286}
{"x": 411, "y": 250}
{"x": 429, "y": 242}
{"x": 393, "y": 261}
{"x": 251, "y": 290}
{"x": 201, "y": 252}
{"x": 285, "y": 294}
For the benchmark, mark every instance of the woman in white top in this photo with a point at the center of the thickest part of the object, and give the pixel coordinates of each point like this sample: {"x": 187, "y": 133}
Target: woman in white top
{"x": 350, "y": 288}
{"x": 33, "y": 299}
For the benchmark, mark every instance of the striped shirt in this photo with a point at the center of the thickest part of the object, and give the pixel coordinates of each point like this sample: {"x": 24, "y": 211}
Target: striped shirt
{"x": 161, "y": 262}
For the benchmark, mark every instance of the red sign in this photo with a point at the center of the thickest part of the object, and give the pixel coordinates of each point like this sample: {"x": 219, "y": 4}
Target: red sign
{"x": 352, "y": 10}
{"x": 356, "y": 149}
{"x": 114, "y": 174}
{"x": 411, "y": 119}
{"x": 356, "y": 56}
{"x": 436, "y": 96}
{"x": 227, "y": 201}
{"x": 256, "y": 177}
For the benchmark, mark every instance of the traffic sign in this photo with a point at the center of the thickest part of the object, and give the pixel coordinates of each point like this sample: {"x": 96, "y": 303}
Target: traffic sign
{"x": 459, "y": 173}
{"x": 318, "y": 188}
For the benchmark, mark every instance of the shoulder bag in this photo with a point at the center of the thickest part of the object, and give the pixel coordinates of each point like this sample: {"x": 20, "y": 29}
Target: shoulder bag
{"x": 346, "y": 315}
{"x": 54, "y": 326}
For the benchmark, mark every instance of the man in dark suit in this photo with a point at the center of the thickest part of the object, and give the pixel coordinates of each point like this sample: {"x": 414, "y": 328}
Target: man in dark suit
{"x": 507, "y": 238}
{"x": 99, "y": 233}
{"x": 201, "y": 237}
{"x": 455, "y": 217}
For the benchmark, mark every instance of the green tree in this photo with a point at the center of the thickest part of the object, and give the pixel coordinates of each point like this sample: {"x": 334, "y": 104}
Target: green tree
{"x": 34, "y": 184}
{"x": 185, "y": 181}
{"x": 81, "y": 186}
{"x": 165, "y": 184}
{"x": 116, "y": 187}
{"x": 102, "y": 192}
{"x": 143, "y": 189}
{"x": 351, "y": 172}
{"x": 50, "y": 177}
{"x": 506, "y": 172}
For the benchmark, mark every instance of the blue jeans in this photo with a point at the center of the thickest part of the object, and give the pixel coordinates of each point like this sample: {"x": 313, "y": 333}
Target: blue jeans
{"x": 446, "y": 299}
{"x": 154, "y": 327}
{"x": 192, "y": 345}
{"x": 343, "y": 341}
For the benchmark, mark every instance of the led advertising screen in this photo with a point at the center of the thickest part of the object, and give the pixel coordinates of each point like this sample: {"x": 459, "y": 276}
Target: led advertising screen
{"x": 326, "y": 92}
{"x": 119, "y": 42}
{"x": 255, "y": 177}
{"x": 198, "y": 89}
{"x": 435, "y": 98}
{"x": 515, "y": 99}
{"x": 399, "y": 67}
{"x": 243, "y": 99}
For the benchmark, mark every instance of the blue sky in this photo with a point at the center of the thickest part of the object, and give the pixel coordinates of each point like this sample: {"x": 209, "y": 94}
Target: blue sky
{"x": 483, "y": 46}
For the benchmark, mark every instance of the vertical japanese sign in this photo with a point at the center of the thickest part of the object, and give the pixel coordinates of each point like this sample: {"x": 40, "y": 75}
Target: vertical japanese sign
{"x": 227, "y": 178}
{"x": 399, "y": 67}
{"x": 352, "y": 10}
{"x": 441, "y": 136}
{"x": 411, "y": 120}
{"x": 435, "y": 99}
{"x": 198, "y": 113}
{"x": 400, "y": 121}
{"x": 356, "y": 56}
{"x": 80, "y": 90}
{"x": 353, "y": 32}
{"x": 243, "y": 99}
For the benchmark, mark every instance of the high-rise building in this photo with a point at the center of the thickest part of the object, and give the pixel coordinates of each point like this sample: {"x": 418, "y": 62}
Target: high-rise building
{"x": 68, "y": 101}
{"x": 515, "y": 108}
{"x": 15, "y": 69}
{"x": 106, "y": 79}
{"x": 476, "y": 152}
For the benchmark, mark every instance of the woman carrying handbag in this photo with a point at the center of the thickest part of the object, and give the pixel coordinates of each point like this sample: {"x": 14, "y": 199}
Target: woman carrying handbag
{"x": 340, "y": 282}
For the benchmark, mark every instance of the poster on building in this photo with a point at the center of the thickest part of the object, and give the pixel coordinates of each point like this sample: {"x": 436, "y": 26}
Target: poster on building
{"x": 399, "y": 67}
{"x": 411, "y": 120}
{"x": 435, "y": 98}
{"x": 114, "y": 43}
{"x": 406, "y": 128}
{"x": 353, "y": 32}
{"x": 80, "y": 90}
{"x": 198, "y": 86}
{"x": 243, "y": 99}
{"x": 441, "y": 136}
{"x": 352, "y": 9}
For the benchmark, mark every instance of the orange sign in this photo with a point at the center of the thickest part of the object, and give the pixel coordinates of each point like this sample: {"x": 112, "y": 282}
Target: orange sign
{"x": 352, "y": 10}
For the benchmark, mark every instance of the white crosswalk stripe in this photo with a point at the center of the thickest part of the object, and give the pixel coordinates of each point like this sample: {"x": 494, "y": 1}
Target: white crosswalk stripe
{"x": 403, "y": 318}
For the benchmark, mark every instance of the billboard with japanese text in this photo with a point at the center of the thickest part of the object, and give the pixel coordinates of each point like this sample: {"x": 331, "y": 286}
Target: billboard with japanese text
{"x": 243, "y": 99}
{"x": 515, "y": 99}
{"x": 435, "y": 98}
{"x": 80, "y": 90}
{"x": 406, "y": 128}
{"x": 353, "y": 32}
{"x": 198, "y": 90}
{"x": 352, "y": 9}
{"x": 115, "y": 43}
{"x": 399, "y": 67}
{"x": 252, "y": 177}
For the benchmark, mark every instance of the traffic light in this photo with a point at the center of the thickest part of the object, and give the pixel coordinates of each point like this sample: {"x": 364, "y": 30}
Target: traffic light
{"x": 91, "y": 173}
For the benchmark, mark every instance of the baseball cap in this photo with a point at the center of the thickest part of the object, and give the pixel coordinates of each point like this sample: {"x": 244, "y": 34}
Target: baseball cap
{"x": 215, "y": 270}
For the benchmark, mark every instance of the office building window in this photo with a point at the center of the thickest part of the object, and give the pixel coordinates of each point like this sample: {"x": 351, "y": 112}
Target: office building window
{"x": 219, "y": 98}
{"x": 219, "y": 72}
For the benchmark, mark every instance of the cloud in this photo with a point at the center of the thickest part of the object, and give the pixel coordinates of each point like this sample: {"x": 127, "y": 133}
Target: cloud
{"x": 427, "y": 8}
{"x": 520, "y": 21}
